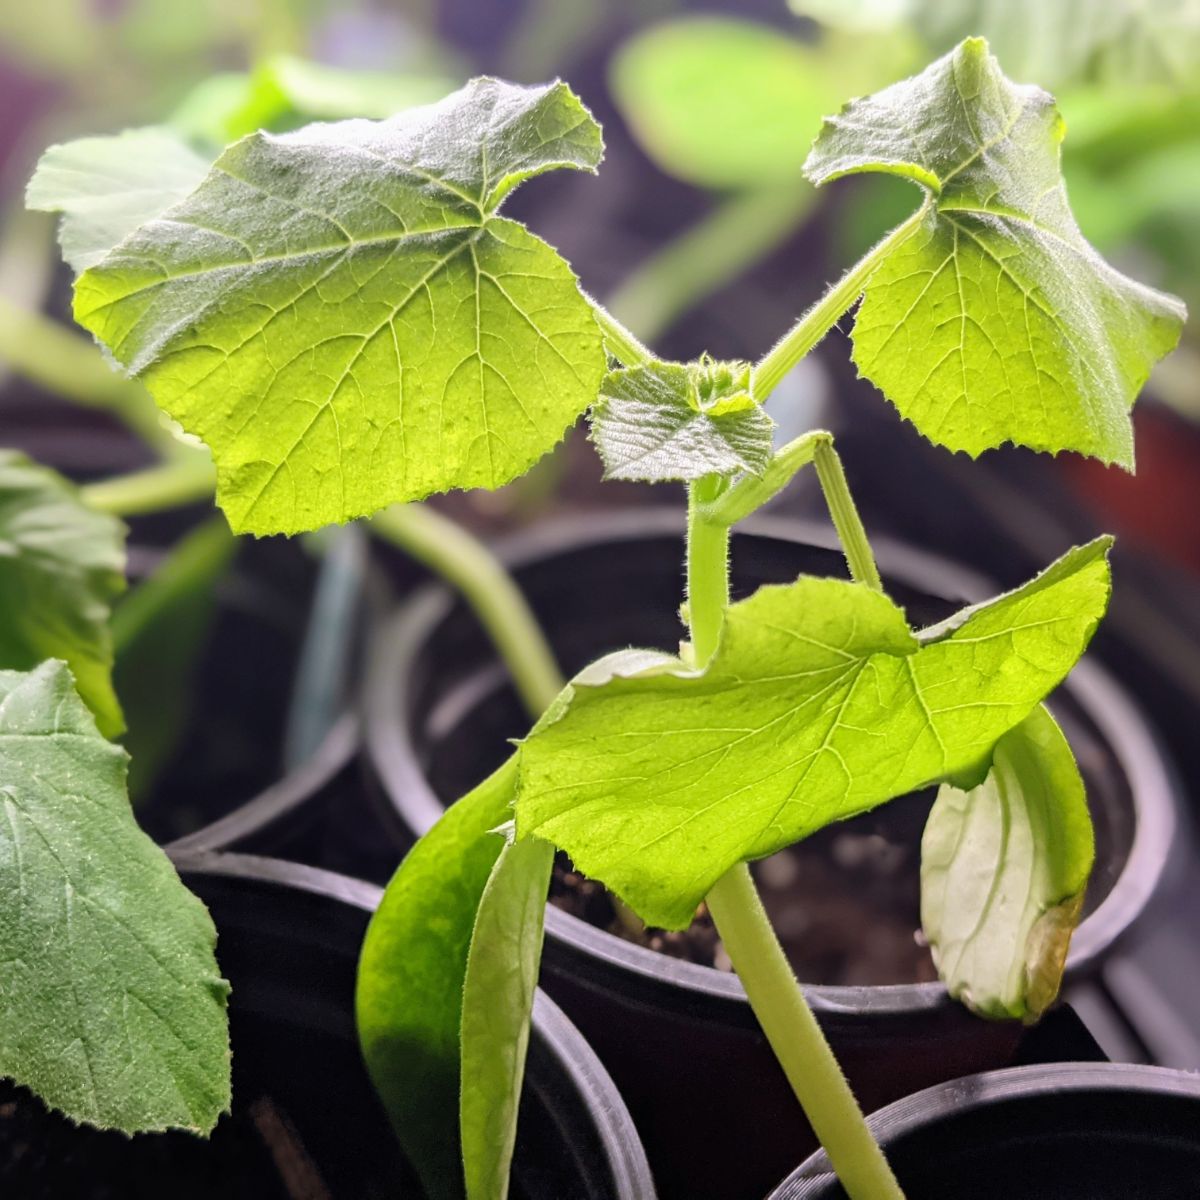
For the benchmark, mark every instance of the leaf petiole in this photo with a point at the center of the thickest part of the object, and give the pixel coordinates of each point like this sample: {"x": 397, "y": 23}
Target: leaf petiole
{"x": 827, "y": 311}
{"x": 185, "y": 480}
{"x": 618, "y": 340}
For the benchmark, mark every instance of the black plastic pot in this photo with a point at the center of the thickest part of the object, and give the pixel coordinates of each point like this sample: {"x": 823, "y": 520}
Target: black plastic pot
{"x": 260, "y": 738}
{"x": 680, "y": 1039}
{"x": 1086, "y": 1131}
{"x": 306, "y": 1122}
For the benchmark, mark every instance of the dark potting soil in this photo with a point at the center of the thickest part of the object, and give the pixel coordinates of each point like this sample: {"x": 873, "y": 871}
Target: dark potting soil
{"x": 845, "y": 904}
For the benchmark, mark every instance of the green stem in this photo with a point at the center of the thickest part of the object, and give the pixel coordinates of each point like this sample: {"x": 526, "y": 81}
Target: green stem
{"x": 465, "y": 563}
{"x": 797, "y": 1040}
{"x": 70, "y": 366}
{"x": 826, "y": 313}
{"x": 845, "y": 516}
{"x": 775, "y": 995}
{"x": 620, "y": 343}
{"x": 707, "y": 571}
{"x": 739, "y": 231}
{"x": 183, "y": 481}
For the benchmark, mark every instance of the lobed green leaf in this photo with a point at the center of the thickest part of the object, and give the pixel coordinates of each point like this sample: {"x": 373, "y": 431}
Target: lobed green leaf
{"x": 993, "y": 320}
{"x": 61, "y": 567}
{"x": 1003, "y": 872}
{"x": 342, "y": 317}
{"x": 112, "y": 1008}
{"x": 818, "y": 704}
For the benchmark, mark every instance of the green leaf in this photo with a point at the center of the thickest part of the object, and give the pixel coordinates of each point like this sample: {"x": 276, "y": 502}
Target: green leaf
{"x": 159, "y": 630}
{"x": 284, "y": 91}
{"x": 341, "y": 316}
{"x": 112, "y": 1008}
{"x": 411, "y": 975}
{"x": 729, "y": 103}
{"x": 1003, "y": 871}
{"x": 61, "y": 567}
{"x": 501, "y": 979}
{"x": 818, "y": 704}
{"x": 669, "y": 421}
{"x": 993, "y": 320}
{"x": 105, "y": 187}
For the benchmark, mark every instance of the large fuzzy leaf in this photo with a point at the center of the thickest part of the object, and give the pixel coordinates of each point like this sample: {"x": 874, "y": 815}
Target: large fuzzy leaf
{"x": 993, "y": 320}
{"x": 61, "y": 567}
{"x": 818, "y": 704}
{"x": 112, "y": 1008}
{"x": 341, "y": 315}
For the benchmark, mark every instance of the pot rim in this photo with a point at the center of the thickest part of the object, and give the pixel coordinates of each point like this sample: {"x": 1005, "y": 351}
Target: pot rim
{"x": 570, "y": 1052}
{"x": 973, "y": 1092}
{"x": 1117, "y": 717}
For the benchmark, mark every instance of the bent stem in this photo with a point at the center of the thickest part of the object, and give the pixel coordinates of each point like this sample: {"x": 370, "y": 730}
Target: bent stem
{"x": 826, "y": 313}
{"x": 186, "y": 480}
{"x": 775, "y": 995}
{"x": 844, "y": 513}
{"x": 467, "y": 565}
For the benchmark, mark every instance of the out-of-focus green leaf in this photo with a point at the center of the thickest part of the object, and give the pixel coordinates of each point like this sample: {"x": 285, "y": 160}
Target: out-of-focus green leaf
{"x": 105, "y": 187}
{"x": 993, "y": 320}
{"x": 112, "y": 1008}
{"x": 818, "y": 704}
{"x": 1003, "y": 871}
{"x": 61, "y": 568}
{"x": 723, "y": 102}
{"x": 501, "y": 979}
{"x": 342, "y": 317}
{"x": 159, "y": 631}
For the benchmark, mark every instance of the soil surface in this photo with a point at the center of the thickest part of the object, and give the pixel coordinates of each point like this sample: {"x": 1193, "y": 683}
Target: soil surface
{"x": 845, "y": 904}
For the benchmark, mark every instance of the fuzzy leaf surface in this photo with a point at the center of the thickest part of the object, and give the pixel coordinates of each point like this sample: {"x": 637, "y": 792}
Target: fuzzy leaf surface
{"x": 670, "y": 421}
{"x": 994, "y": 320}
{"x": 342, "y": 317}
{"x": 819, "y": 703}
{"x": 1003, "y": 871}
{"x": 105, "y": 187}
{"x": 112, "y": 1008}
{"x": 61, "y": 568}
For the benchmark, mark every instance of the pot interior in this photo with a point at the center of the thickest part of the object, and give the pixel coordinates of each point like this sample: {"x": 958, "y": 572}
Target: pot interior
{"x": 845, "y": 902}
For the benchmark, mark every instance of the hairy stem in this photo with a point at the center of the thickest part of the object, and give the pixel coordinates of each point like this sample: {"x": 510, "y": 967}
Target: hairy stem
{"x": 845, "y": 516}
{"x": 171, "y": 485}
{"x": 619, "y": 342}
{"x": 466, "y": 564}
{"x": 716, "y": 249}
{"x": 826, "y": 313}
{"x": 775, "y": 995}
{"x": 797, "y": 1040}
{"x": 70, "y": 366}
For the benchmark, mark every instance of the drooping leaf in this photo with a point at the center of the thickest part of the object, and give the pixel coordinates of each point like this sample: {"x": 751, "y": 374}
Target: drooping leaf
{"x": 670, "y": 421}
{"x": 1003, "y": 871}
{"x": 342, "y": 317}
{"x": 993, "y": 320}
{"x": 61, "y": 567}
{"x": 818, "y": 704}
{"x": 501, "y": 979}
{"x": 159, "y": 631}
{"x": 411, "y": 975}
{"x": 724, "y": 102}
{"x": 105, "y": 187}
{"x": 112, "y": 1008}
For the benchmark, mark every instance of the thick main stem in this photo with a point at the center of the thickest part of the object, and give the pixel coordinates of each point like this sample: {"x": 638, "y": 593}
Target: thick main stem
{"x": 797, "y": 1040}
{"x": 826, "y": 313}
{"x": 466, "y": 564}
{"x": 775, "y": 994}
